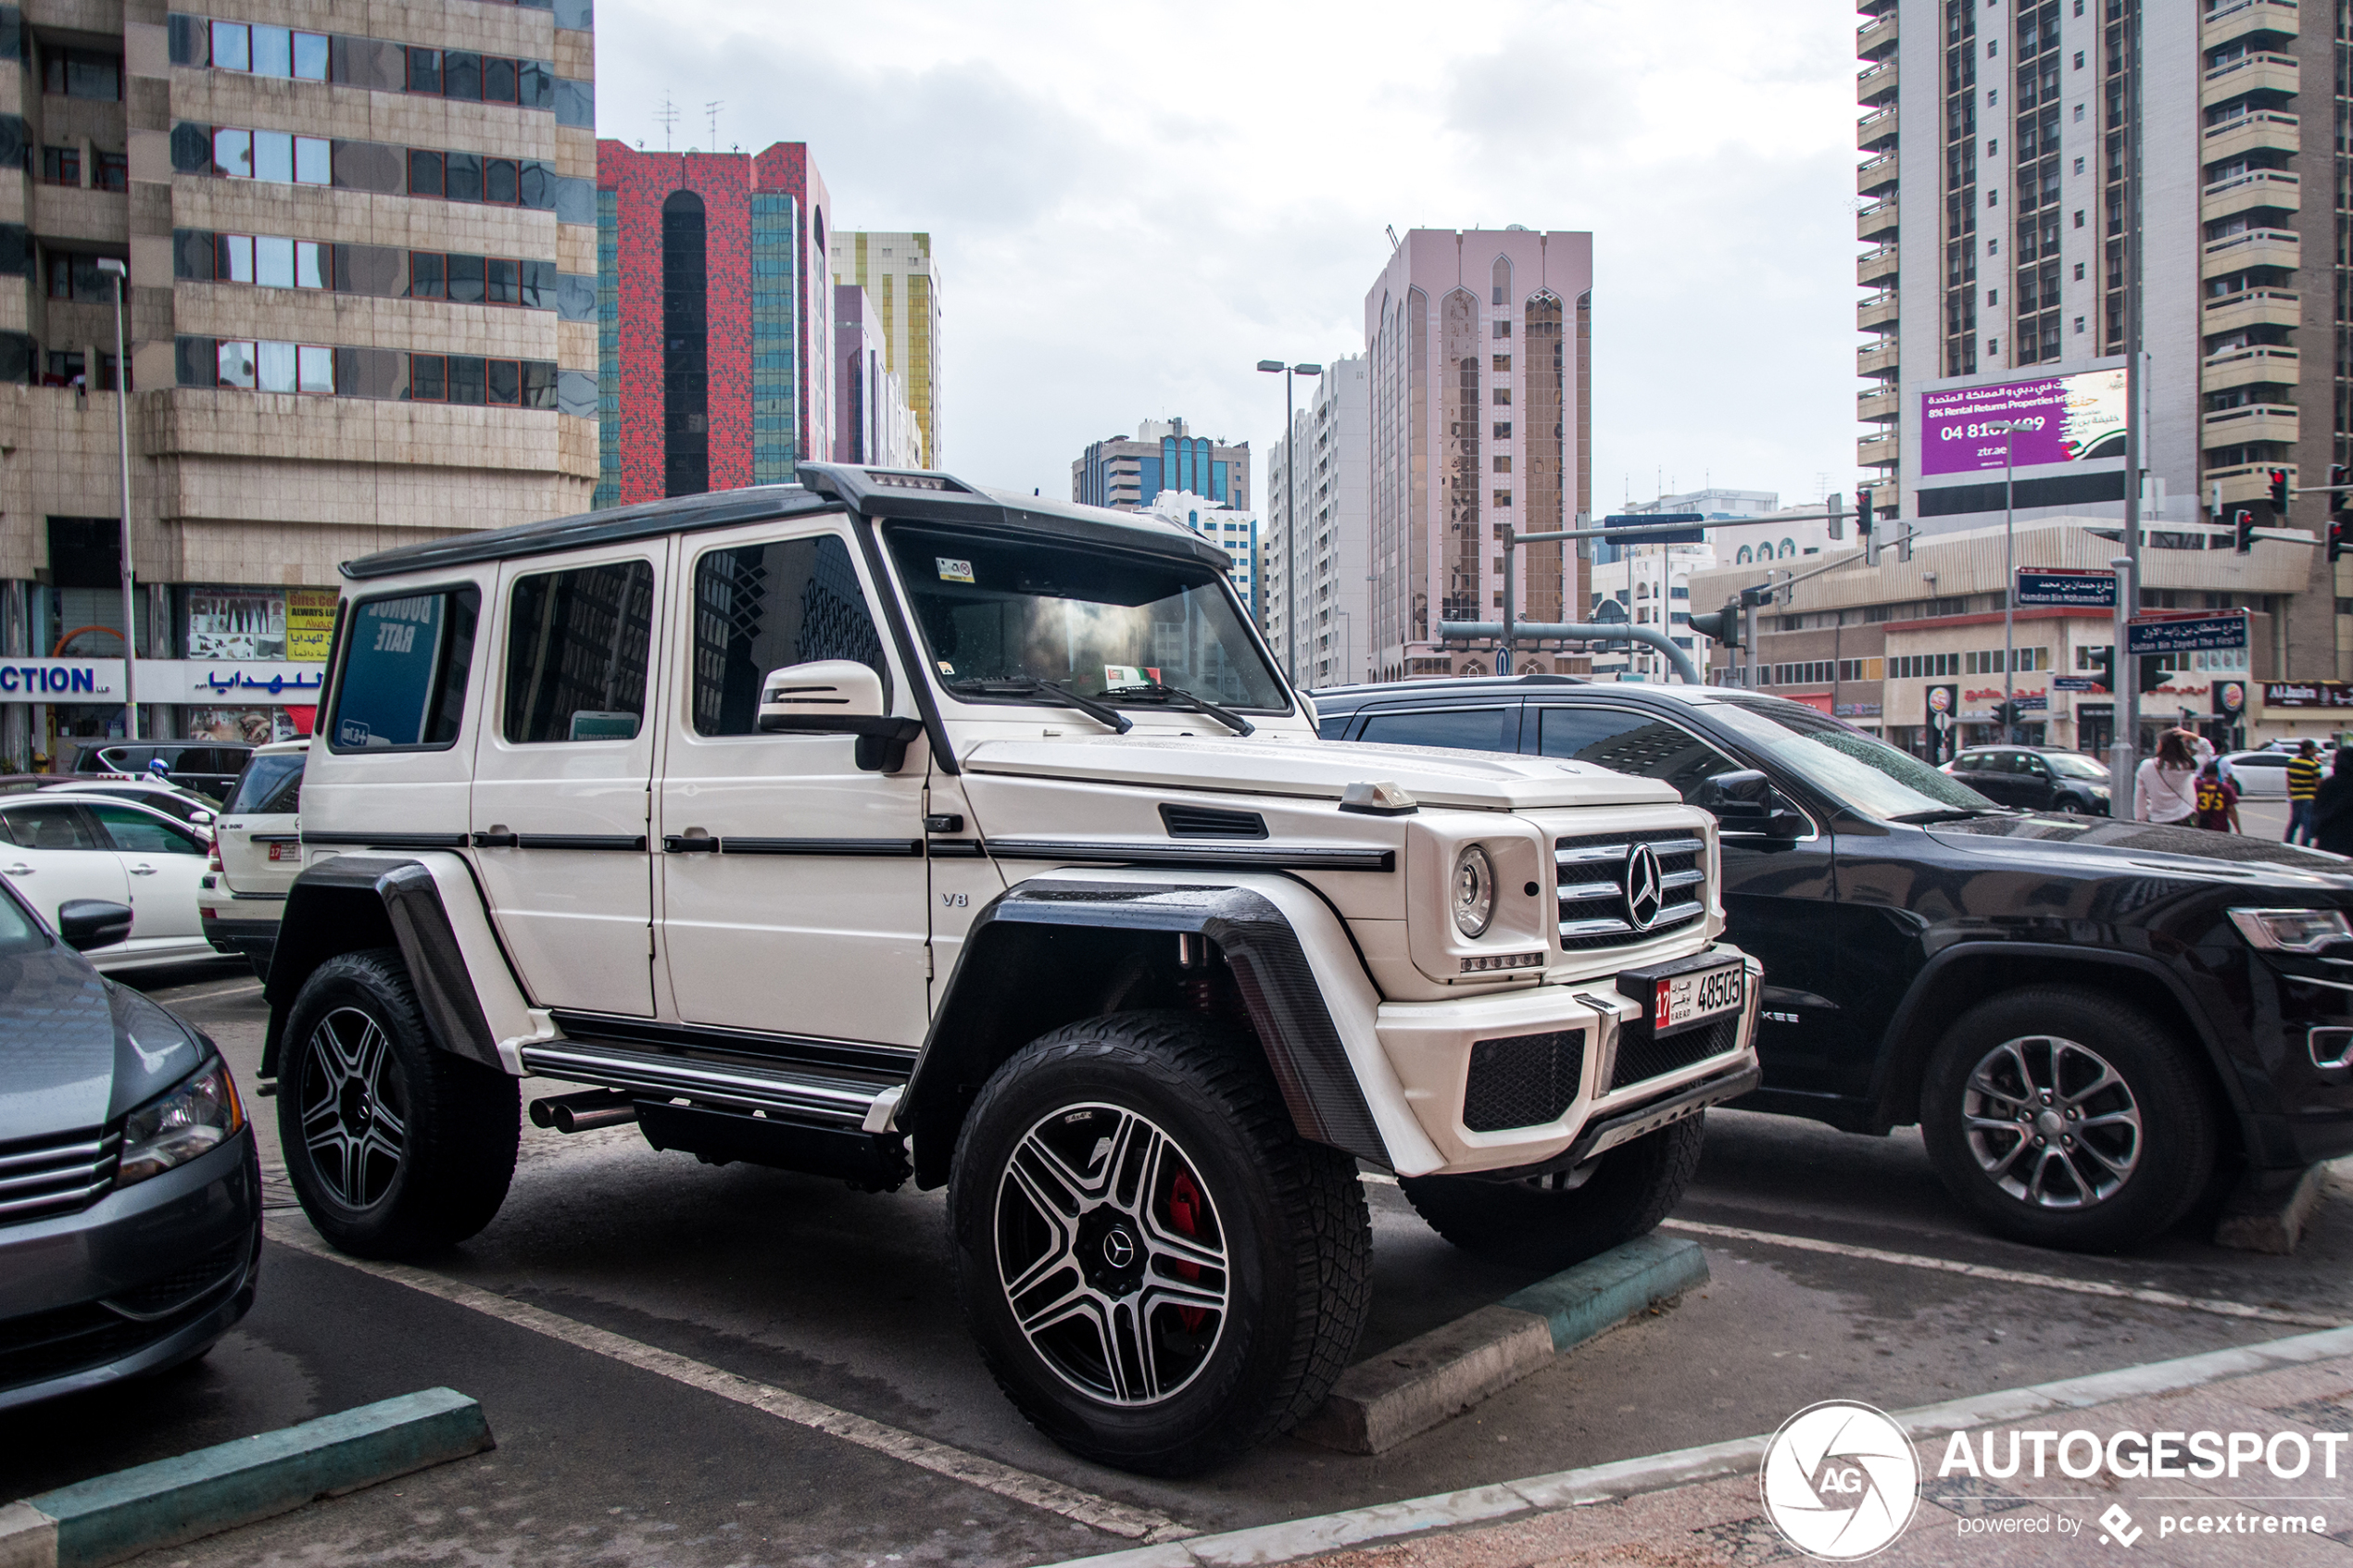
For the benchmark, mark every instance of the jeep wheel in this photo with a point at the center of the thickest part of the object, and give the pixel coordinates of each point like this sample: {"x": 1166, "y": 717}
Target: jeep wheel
{"x": 1158, "y": 1272}
{"x": 2065, "y": 1118}
{"x": 393, "y": 1146}
{"x": 1549, "y": 1222}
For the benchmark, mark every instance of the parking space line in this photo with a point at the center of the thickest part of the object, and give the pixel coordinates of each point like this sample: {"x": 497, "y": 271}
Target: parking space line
{"x": 166, "y": 998}
{"x": 2011, "y": 1277}
{"x": 1036, "y": 1491}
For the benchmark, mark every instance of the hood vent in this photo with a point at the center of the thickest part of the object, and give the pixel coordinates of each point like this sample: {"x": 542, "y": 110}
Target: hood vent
{"x": 1205, "y": 821}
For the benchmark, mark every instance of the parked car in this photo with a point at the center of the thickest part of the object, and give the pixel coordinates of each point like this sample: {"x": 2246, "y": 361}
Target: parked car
{"x": 2088, "y": 1019}
{"x": 257, "y": 850}
{"x": 2262, "y": 775}
{"x": 196, "y": 811}
{"x": 992, "y": 851}
{"x": 58, "y": 846}
{"x": 209, "y": 767}
{"x": 2037, "y": 777}
{"x": 130, "y": 1203}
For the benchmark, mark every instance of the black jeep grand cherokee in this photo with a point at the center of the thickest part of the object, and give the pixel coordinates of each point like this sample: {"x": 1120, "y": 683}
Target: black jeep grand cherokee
{"x": 2092, "y": 1021}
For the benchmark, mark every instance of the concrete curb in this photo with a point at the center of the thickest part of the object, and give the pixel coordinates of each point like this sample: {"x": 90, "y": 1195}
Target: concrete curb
{"x": 2254, "y": 1221}
{"x": 1623, "y": 1478}
{"x": 1402, "y": 1393}
{"x": 174, "y": 1501}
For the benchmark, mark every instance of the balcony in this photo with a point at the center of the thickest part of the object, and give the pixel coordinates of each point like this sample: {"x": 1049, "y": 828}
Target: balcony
{"x": 2257, "y": 130}
{"x": 2234, "y": 19}
{"x": 2253, "y": 421}
{"x": 2252, "y": 307}
{"x": 1878, "y": 451}
{"x": 1877, "y": 404}
{"x": 2258, "y": 364}
{"x": 1877, "y": 84}
{"x": 1876, "y": 221}
{"x": 2270, "y": 190}
{"x": 1874, "y": 265}
{"x": 1878, "y": 175}
{"x": 1876, "y": 131}
{"x": 1875, "y": 312}
{"x": 2243, "y": 482}
{"x": 2257, "y": 247}
{"x": 2249, "y": 73}
{"x": 1876, "y": 358}
{"x": 1875, "y": 40}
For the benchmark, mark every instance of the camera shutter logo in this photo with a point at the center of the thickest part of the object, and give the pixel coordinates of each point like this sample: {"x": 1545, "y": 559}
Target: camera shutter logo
{"x": 1840, "y": 1480}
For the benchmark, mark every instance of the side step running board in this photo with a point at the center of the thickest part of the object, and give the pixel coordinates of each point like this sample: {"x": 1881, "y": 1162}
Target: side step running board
{"x": 830, "y": 1099}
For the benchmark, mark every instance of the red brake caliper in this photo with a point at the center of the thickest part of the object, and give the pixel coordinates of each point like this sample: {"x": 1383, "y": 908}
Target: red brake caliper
{"x": 1184, "y": 1213}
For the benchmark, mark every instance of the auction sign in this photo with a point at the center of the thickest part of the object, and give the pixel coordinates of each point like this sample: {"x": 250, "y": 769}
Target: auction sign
{"x": 2060, "y": 420}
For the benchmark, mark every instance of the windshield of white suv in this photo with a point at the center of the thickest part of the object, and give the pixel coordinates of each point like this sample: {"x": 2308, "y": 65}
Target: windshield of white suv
{"x": 1003, "y": 613}
{"x": 1868, "y": 775}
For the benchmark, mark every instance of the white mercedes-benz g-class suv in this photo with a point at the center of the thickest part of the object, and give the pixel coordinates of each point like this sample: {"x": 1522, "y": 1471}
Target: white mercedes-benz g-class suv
{"x": 881, "y": 827}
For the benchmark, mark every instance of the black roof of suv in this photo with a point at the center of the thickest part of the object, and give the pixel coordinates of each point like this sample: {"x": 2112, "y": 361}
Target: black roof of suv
{"x": 2173, "y": 997}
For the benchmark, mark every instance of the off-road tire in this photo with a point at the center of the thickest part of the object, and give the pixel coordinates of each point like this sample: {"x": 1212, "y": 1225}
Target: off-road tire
{"x": 1290, "y": 1215}
{"x": 1541, "y": 1222}
{"x": 458, "y": 1122}
{"x": 2180, "y": 1130}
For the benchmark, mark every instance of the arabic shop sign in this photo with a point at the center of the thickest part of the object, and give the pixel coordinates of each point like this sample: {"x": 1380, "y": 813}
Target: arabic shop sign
{"x": 2308, "y": 694}
{"x": 269, "y": 684}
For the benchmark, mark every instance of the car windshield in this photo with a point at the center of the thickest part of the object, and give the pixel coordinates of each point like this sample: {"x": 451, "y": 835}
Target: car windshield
{"x": 1018, "y": 611}
{"x": 271, "y": 783}
{"x": 2074, "y": 765}
{"x": 19, "y": 933}
{"x": 1868, "y": 775}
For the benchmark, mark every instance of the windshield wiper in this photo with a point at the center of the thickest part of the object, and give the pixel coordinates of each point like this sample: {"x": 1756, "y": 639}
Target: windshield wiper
{"x": 1109, "y": 718}
{"x": 1166, "y": 693}
{"x": 1943, "y": 814}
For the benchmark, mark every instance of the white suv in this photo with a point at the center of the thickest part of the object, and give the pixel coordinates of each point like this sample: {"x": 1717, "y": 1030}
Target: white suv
{"x": 256, "y": 852}
{"x": 882, "y": 827}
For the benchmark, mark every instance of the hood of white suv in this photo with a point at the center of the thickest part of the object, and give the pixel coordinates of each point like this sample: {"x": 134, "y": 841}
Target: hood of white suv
{"x": 1434, "y": 776}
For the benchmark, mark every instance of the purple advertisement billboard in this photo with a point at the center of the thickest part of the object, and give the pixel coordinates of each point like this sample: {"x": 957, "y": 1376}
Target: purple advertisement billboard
{"x": 2060, "y": 420}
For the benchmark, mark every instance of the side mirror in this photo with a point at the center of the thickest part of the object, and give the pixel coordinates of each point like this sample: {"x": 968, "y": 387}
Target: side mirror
{"x": 85, "y": 923}
{"x": 1746, "y": 802}
{"x": 837, "y": 696}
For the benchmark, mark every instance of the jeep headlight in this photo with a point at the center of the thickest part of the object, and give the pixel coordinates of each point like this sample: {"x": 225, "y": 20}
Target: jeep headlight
{"x": 2291, "y": 930}
{"x": 193, "y": 1120}
{"x": 1474, "y": 891}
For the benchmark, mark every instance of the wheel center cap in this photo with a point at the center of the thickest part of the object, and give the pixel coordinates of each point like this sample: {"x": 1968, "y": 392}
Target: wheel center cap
{"x": 2050, "y": 1123}
{"x": 1109, "y": 1252}
{"x": 1119, "y": 1248}
{"x": 354, "y": 1106}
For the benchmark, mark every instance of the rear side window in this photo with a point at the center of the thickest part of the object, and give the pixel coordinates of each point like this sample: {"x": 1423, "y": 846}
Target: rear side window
{"x": 577, "y": 643}
{"x": 1626, "y": 742}
{"x": 271, "y": 786}
{"x": 764, "y": 606}
{"x": 403, "y": 683}
{"x": 56, "y": 825}
{"x": 136, "y": 832}
{"x": 1335, "y": 726}
{"x": 1472, "y": 728}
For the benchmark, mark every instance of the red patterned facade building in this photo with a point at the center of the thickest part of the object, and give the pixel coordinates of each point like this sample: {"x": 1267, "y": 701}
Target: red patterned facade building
{"x": 714, "y": 320}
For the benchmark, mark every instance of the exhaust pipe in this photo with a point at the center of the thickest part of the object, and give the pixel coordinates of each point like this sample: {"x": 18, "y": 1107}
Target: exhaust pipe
{"x": 578, "y": 1113}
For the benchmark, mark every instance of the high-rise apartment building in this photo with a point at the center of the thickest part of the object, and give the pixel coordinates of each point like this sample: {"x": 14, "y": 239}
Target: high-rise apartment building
{"x": 360, "y": 254}
{"x": 1481, "y": 414}
{"x": 715, "y": 308}
{"x": 1316, "y": 580}
{"x": 901, "y": 276}
{"x": 2001, "y": 136}
{"x": 873, "y": 422}
{"x": 1235, "y": 533}
{"x": 1126, "y": 475}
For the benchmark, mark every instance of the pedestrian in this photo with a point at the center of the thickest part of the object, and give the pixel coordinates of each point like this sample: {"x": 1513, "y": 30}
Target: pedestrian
{"x": 2303, "y": 783}
{"x": 2218, "y": 799}
{"x": 2165, "y": 789}
{"x": 2333, "y": 808}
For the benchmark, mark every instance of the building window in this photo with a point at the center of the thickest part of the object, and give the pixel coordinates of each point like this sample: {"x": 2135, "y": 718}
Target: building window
{"x": 62, "y": 166}
{"x": 1503, "y": 329}
{"x": 1503, "y": 430}
{"x": 2079, "y": 65}
{"x": 80, "y": 73}
{"x": 2079, "y": 108}
{"x": 488, "y": 79}
{"x": 2079, "y": 218}
{"x": 2079, "y": 323}
{"x": 1993, "y": 347}
{"x": 1502, "y": 462}
{"x": 1503, "y": 362}
{"x": 113, "y": 172}
{"x": 271, "y": 156}
{"x": 2079, "y": 271}
{"x": 1502, "y": 398}
{"x": 270, "y": 51}
{"x": 76, "y": 277}
{"x": 64, "y": 367}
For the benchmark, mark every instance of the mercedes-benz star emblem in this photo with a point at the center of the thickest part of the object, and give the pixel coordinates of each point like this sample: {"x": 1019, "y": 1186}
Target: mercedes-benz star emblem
{"x": 1643, "y": 894}
{"x": 1118, "y": 1250}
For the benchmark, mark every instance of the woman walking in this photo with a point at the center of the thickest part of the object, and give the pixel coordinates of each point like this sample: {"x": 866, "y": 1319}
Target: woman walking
{"x": 2333, "y": 808}
{"x": 2165, "y": 789}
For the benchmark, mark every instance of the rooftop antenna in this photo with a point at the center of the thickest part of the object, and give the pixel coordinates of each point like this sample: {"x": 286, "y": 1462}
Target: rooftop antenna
{"x": 1392, "y": 234}
{"x": 666, "y": 116}
{"x": 712, "y": 109}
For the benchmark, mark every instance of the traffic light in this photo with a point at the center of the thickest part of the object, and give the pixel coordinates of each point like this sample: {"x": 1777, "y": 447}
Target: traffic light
{"x": 1835, "y": 517}
{"x": 2006, "y": 714}
{"x": 2279, "y": 492}
{"x": 2101, "y": 659}
{"x": 2336, "y": 539}
{"x": 1865, "y": 504}
{"x": 2243, "y": 529}
{"x": 2340, "y": 508}
{"x": 1724, "y": 626}
{"x": 2153, "y": 673}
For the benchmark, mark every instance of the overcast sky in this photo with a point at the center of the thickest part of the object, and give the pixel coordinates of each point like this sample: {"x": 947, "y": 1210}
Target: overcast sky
{"x": 1133, "y": 204}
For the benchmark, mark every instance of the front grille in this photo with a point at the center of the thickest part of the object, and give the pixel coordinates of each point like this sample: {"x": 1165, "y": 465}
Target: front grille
{"x": 166, "y": 1294}
{"x": 1523, "y": 1082}
{"x": 1640, "y": 1056}
{"x": 69, "y": 1339}
{"x": 40, "y": 1177}
{"x": 1590, "y": 871}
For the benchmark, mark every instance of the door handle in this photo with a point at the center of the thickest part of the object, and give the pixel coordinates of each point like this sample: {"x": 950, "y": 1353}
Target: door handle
{"x": 20, "y": 869}
{"x": 142, "y": 870}
{"x": 694, "y": 841}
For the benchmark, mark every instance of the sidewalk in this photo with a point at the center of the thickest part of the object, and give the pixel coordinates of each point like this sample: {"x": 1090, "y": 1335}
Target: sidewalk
{"x": 1637, "y": 1514}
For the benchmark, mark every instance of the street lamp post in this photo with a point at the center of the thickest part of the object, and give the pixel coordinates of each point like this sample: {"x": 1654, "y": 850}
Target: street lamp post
{"x": 122, "y": 435}
{"x": 1290, "y": 513}
{"x": 2008, "y": 430}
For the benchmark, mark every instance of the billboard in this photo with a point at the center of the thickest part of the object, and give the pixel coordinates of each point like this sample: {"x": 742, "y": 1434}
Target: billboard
{"x": 2070, "y": 419}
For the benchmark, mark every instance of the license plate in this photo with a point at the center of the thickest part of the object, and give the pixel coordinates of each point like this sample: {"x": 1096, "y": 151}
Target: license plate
{"x": 281, "y": 852}
{"x": 1680, "y": 1001}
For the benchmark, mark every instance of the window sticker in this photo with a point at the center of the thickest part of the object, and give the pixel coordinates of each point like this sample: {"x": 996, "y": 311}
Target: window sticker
{"x": 946, "y": 668}
{"x": 953, "y": 571}
{"x": 1129, "y": 675}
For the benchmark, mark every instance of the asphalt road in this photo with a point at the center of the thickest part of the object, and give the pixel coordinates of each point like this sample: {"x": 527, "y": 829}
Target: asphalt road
{"x": 842, "y": 1297}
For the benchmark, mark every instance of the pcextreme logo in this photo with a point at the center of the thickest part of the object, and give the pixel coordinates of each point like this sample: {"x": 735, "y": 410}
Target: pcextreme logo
{"x": 1840, "y": 1480}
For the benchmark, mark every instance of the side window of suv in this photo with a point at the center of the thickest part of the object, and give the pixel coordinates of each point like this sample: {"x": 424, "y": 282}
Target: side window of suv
{"x": 759, "y": 607}
{"x": 577, "y": 645}
{"x": 403, "y": 682}
{"x": 1469, "y": 729}
{"x": 1626, "y": 742}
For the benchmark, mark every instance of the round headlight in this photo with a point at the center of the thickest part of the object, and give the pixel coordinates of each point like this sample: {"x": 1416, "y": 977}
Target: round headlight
{"x": 1474, "y": 891}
